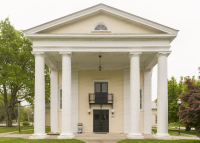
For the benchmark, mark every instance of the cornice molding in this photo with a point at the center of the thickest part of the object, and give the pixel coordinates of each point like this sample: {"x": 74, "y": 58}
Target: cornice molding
{"x": 100, "y": 7}
{"x": 54, "y": 36}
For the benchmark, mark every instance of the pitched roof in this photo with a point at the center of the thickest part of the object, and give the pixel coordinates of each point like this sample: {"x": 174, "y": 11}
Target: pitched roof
{"x": 96, "y": 9}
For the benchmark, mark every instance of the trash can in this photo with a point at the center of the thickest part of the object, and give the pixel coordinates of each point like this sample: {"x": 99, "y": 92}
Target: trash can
{"x": 79, "y": 128}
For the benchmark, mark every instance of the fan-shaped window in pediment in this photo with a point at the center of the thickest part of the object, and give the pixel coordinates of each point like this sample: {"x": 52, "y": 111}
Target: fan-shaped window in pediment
{"x": 101, "y": 27}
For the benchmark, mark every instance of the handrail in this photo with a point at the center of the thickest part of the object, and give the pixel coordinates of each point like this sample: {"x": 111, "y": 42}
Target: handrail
{"x": 101, "y": 98}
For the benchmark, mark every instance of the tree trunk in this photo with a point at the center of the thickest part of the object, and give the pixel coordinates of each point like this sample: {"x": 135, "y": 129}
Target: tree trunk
{"x": 187, "y": 128}
{"x": 198, "y": 131}
{"x": 6, "y": 114}
{"x": 10, "y": 112}
{"x": 9, "y": 107}
{"x": 5, "y": 105}
{"x": 28, "y": 114}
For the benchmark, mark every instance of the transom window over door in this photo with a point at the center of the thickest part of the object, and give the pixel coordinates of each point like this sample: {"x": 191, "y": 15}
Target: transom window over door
{"x": 101, "y": 92}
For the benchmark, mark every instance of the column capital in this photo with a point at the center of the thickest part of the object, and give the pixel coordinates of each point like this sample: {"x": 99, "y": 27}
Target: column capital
{"x": 135, "y": 54}
{"x": 164, "y": 53}
{"x": 35, "y": 53}
{"x": 68, "y": 54}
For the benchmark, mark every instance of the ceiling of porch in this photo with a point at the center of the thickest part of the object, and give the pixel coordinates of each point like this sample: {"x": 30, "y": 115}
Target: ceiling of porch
{"x": 109, "y": 61}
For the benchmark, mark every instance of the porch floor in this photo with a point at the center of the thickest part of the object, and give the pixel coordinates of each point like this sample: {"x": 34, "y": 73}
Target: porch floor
{"x": 100, "y": 138}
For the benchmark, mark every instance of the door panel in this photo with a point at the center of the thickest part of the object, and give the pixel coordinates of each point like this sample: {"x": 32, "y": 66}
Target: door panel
{"x": 101, "y": 92}
{"x": 104, "y": 87}
{"x": 104, "y": 121}
{"x": 97, "y": 87}
{"x": 101, "y": 121}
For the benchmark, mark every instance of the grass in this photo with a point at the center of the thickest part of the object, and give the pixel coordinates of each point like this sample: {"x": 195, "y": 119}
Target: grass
{"x": 170, "y": 133}
{"x": 175, "y": 124}
{"x": 47, "y": 130}
{"x": 14, "y": 128}
{"x": 158, "y": 141}
{"x": 20, "y": 140}
{"x": 174, "y": 132}
{"x": 192, "y": 132}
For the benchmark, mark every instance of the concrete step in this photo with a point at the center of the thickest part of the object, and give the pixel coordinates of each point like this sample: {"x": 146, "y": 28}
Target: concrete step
{"x": 101, "y": 141}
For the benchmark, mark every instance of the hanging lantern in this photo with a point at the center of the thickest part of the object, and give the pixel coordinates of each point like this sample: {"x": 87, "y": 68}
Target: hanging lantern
{"x": 100, "y": 63}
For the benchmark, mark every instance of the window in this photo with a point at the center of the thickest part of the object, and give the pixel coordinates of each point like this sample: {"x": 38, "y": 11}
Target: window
{"x": 140, "y": 99}
{"x": 155, "y": 119}
{"x": 60, "y": 98}
{"x": 101, "y": 92}
{"x": 101, "y": 87}
{"x": 101, "y": 27}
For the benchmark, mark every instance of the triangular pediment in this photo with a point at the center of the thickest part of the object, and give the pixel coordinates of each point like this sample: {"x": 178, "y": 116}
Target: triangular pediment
{"x": 118, "y": 22}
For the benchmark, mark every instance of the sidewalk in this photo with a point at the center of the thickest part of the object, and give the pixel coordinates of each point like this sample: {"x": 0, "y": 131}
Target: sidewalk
{"x": 9, "y": 134}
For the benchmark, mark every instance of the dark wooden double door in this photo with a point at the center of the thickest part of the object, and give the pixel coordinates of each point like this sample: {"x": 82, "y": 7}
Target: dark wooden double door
{"x": 101, "y": 121}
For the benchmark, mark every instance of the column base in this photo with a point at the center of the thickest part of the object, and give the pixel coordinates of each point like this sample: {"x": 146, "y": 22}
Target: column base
{"x": 66, "y": 136}
{"x": 39, "y": 136}
{"x": 162, "y": 136}
{"x": 135, "y": 136}
{"x": 148, "y": 135}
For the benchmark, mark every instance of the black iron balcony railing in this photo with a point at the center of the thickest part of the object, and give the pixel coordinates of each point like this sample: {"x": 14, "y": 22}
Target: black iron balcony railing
{"x": 101, "y": 98}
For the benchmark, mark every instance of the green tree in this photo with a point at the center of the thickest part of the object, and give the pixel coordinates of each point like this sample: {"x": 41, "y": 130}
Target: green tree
{"x": 17, "y": 69}
{"x": 172, "y": 100}
{"x": 1, "y": 111}
{"x": 174, "y": 89}
{"x": 27, "y": 114}
{"x": 190, "y": 108}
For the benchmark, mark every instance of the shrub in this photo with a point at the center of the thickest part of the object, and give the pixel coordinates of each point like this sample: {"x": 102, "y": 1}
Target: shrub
{"x": 26, "y": 123}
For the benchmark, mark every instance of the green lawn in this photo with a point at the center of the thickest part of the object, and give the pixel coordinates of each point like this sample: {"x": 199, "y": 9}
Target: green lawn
{"x": 175, "y": 124}
{"x": 15, "y": 128}
{"x": 20, "y": 140}
{"x": 192, "y": 132}
{"x": 172, "y": 131}
{"x": 158, "y": 141}
{"x": 47, "y": 130}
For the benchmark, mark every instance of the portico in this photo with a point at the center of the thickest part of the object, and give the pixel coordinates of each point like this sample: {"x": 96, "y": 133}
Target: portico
{"x": 128, "y": 57}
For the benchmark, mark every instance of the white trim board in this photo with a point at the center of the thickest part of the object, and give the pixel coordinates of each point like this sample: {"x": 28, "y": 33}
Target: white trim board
{"x": 101, "y": 80}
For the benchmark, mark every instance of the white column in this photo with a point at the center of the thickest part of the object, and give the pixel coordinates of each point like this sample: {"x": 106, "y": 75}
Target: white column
{"x": 135, "y": 96}
{"x": 127, "y": 101}
{"x": 66, "y": 132}
{"x": 39, "y": 111}
{"x": 162, "y": 99}
{"x": 147, "y": 101}
{"x": 74, "y": 100}
{"x": 54, "y": 101}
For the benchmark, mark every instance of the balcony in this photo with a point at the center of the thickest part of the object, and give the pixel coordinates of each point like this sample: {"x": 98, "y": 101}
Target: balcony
{"x": 101, "y": 98}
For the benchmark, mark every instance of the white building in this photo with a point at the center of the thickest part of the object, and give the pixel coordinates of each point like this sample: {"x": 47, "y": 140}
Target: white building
{"x": 119, "y": 96}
